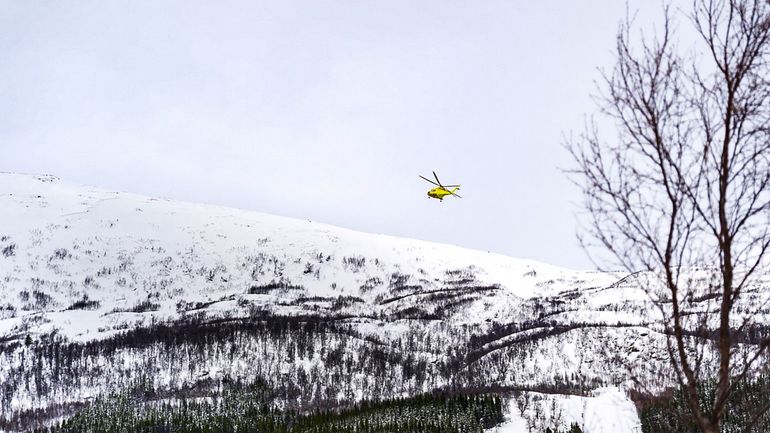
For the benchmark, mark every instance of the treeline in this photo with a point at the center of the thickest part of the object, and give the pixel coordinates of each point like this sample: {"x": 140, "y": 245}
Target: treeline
{"x": 669, "y": 413}
{"x": 308, "y": 360}
{"x": 314, "y": 359}
{"x": 430, "y": 413}
{"x": 251, "y": 411}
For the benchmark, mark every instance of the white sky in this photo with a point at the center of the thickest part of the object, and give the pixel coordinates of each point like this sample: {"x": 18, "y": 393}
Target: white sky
{"x": 325, "y": 110}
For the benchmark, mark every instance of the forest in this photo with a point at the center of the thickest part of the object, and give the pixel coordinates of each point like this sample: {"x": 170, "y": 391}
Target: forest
{"x": 252, "y": 409}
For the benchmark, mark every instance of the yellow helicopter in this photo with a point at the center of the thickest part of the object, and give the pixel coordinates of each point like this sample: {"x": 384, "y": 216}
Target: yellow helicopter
{"x": 441, "y": 191}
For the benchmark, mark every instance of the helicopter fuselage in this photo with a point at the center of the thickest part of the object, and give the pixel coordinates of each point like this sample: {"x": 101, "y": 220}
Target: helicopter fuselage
{"x": 439, "y": 193}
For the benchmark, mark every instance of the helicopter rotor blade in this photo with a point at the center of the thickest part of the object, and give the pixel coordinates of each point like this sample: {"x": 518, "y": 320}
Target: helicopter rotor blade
{"x": 439, "y": 182}
{"x": 456, "y": 195}
{"x": 425, "y": 178}
{"x": 451, "y": 186}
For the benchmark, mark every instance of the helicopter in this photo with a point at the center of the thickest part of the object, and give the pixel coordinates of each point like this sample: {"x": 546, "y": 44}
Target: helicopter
{"x": 441, "y": 191}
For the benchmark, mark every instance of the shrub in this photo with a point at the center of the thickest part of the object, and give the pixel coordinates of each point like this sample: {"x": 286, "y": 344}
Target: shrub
{"x": 42, "y": 300}
{"x": 84, "y": 304}
{"x": 9, "y": 250}
{"x": 267, "y": 288}
{"x": 354, "y": 263}
{"x": 144, "y": 306}
{"x": 61, "y": 254}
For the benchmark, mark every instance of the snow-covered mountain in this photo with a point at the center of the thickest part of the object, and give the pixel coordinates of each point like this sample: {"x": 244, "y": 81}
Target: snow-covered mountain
{"x": 101, "y": 291}
{"x": 67, "y": 242}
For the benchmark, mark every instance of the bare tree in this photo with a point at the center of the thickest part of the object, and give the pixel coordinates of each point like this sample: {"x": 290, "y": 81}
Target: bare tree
{"x": 683, "y": 192}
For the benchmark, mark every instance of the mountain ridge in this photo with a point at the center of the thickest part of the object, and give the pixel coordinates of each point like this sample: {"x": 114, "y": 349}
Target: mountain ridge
{"x": 103, "y": 291}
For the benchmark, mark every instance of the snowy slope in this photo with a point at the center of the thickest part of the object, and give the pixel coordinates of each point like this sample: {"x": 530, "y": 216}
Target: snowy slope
{"x": 121, "y": 249}
{"x": 607, "y": 410}
{"x": 81, "y": 264}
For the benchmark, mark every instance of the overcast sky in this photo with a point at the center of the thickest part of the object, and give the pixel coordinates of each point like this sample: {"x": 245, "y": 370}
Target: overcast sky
{"x": 323, "y": 110}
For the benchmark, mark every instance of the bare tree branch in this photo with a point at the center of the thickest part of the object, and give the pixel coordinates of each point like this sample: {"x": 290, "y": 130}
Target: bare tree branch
{"x": 686, "y": 183}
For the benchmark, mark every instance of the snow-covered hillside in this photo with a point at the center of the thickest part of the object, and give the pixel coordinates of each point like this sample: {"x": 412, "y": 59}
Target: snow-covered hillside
{"x": 606, "y": 410}
{"x": 83, "y": 271}
{"x": 65, "y": 243}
